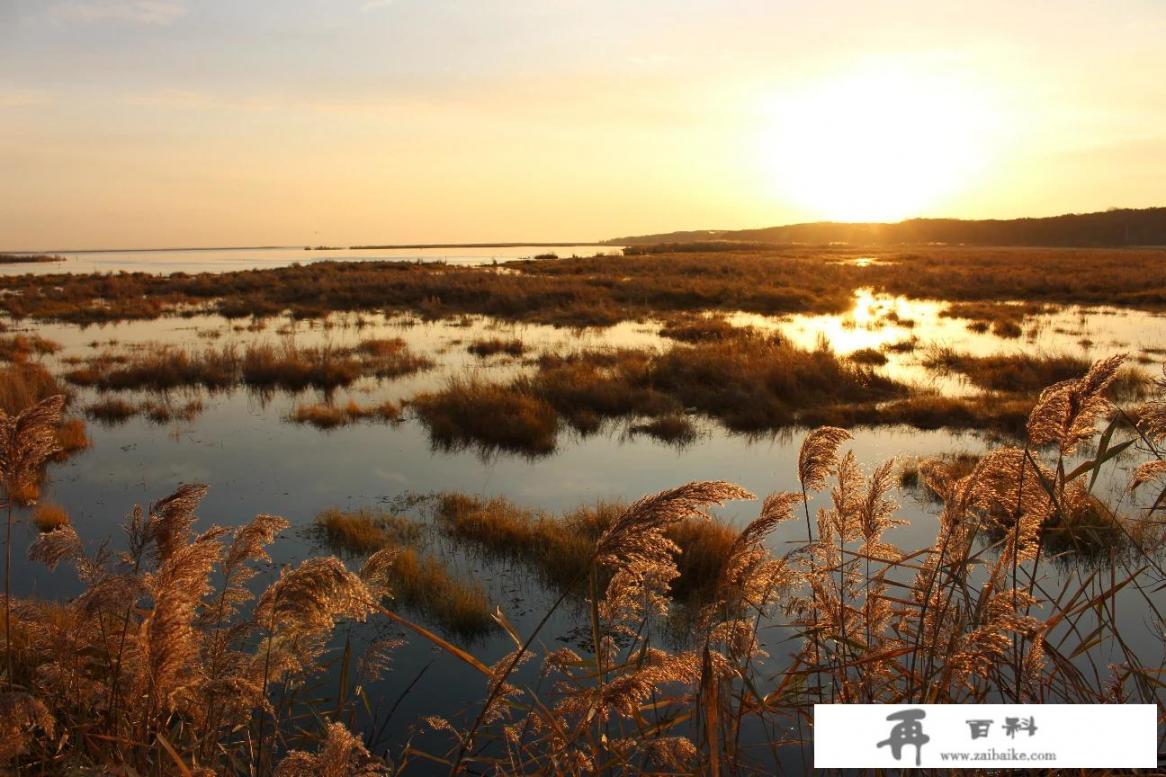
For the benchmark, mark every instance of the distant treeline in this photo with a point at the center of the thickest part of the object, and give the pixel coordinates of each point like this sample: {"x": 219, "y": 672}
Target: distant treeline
{"x": 28, "y": 258}
{"x": 1118, "y": 227}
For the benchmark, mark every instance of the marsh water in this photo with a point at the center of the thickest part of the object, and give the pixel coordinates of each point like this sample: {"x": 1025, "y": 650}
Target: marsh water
{"x": 256, "y": 461}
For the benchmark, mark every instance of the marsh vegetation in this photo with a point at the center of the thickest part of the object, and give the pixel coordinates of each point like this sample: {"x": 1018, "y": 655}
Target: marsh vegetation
{"x": 203, "y": 672}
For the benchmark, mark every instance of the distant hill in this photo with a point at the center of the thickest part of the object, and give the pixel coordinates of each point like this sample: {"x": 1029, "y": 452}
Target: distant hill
{"x": 1119, "y": 227}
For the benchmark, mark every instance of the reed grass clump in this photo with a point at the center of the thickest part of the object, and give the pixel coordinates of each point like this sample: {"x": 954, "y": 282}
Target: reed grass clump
{"x": 423, "y": 584}
{"x": 492, "y": 346}
{"x": 365, "y": 531}
{"x": 262, "y": 366}
{"x": 328, "y": 415}
{"x": 698, "y": 329}
{"x": 471, "y": 412}
{"x": 673, "y": 429}
{"x": 20, "y": 347}
{"x": 559, "y": 548}
{"x": 111, "y": 410}
{"x": 868, "y": 356}
{"x": 49, "y": 517}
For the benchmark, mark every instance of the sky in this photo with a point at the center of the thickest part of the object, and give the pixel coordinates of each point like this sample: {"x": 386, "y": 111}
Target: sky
{"x": 148, "y": 123}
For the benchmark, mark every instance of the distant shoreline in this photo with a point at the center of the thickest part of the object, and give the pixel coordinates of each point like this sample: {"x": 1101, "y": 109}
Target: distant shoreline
{"x": 312, "y": 248}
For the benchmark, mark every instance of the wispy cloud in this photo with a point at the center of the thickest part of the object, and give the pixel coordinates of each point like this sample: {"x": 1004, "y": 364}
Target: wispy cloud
{"x": 18, "y": 98}
{"x": 159, "y": 12}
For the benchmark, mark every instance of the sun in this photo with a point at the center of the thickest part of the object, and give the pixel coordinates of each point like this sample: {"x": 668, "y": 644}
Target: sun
{"x": 876, "y": 144}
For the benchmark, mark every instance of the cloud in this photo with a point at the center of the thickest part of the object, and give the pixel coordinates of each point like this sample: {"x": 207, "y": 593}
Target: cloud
{"x": 157, "y": 12}
{"x": 16, "y": 98}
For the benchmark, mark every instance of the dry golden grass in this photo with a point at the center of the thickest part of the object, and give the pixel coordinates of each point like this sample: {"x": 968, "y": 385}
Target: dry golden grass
{"x": 362, "y": 532}
{"x": 71, "y": 437}
{"x": 868, "y": 356}
{"x": 560, "y": 548}
{"x": 419, "y": 581}
{"x": 49, "y": 517}
{"x": 111, "y": 410}
{"x": 423, "y": 584}
{"x": 491, "y": 346}
{"x": 21, "y": 347}
{"x": 325, "y": 415}
{"x": 698, "y": 329}
{"x": 470, "y": 412}
{"x": 262, "y": 366}
{"x": 673, "y": 429}
{"x": 23, "y": 385}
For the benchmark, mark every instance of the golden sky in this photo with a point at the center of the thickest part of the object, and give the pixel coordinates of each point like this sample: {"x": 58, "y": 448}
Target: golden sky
{"x": 136, "y": 123}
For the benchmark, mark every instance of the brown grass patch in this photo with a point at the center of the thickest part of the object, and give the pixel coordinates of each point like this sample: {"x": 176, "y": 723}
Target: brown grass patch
{"x": 365, "y": 531}
{"x": 559, "y": 548}
{"x": 47, "y": 517}
{"x": 470, "y": 412}
{"x": 325, "y": 415}
{"x": 698, "y": 329}
{"x": 21, "y": 347}
{"x": 491, "y": 346}
{"x": 111, "y": 410}
{"x": 673, "y": 429}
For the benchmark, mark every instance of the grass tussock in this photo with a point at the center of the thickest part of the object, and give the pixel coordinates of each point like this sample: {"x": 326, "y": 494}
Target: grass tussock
{"x": 1026, "y": 374}
{"x": 166, "y": 410}
{"x": 492, "y": 346}
{"x": 1003, "y": 320}
{"x": 49, "y": 517}
{"x": 422, "y": 583}
{"x": 24, "y": 384}
{"x": 365, "y": 531}
{"x": 261, "y": 366}
{"x": 560, "y": 548}
{"x": 868, "y": 356}
{"x": 390, "y": 358}
{"x": 111, "y": 410}
{"x": 673, "y": 429}
{"x": 71, "y": 437}
{"x": 471, "y": 412}
{"x": 22, "y": 347}
{"x": 698, "y": 329}
{"x": 326, "y": 415}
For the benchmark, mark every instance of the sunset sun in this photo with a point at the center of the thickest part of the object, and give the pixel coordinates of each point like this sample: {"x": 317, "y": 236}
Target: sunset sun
{"x": 878, "y": 144}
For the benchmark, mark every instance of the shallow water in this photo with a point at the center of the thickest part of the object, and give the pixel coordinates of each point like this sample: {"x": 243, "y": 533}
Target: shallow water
{"x": 256, "y": 462}
{"x": 217, "y": 260}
